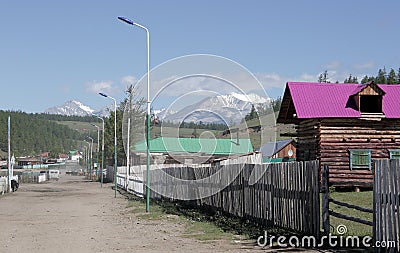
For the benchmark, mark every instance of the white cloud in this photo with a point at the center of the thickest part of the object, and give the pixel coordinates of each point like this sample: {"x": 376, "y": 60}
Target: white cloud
{"x": 366, "y": 65}
{"x": 102, "y": 86}
{"x": 305, "y": 77}
{"x": 128, "y": 80}
{"x": 333, "y": 65}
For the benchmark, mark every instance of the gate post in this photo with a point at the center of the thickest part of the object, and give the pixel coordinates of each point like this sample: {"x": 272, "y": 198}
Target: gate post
{"x": 325, "y": 200}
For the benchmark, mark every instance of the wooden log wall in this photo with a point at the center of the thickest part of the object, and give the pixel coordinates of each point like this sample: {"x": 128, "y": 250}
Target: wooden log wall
{"x": 308, "y": 140}
{"x": 329, "y": 140}
{"x": 278, "y": 194}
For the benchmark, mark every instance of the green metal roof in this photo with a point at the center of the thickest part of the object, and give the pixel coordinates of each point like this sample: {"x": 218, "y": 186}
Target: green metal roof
{"x": 195, "y": 145}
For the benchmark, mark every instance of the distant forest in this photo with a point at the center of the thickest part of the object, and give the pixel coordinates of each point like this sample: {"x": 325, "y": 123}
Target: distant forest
{"x": 35, "y": 133}
{"x": 57, "y": 117}
{"x": 383, "y": 77}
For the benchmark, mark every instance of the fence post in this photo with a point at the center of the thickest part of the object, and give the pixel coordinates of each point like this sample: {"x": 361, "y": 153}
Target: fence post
{"x": 325, "y": 200}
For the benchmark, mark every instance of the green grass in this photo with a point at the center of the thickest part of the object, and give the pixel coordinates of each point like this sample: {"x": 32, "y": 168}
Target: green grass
{"x": 205, "y": 231}
{"x": 197, "y": 225}
{"x": 363, "y": 199}
{"x": 77, "y": 125}
{"x": 182, "y": 132}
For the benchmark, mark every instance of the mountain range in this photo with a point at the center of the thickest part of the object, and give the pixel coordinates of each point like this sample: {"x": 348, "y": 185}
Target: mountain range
{"x": 76, "y": 108}
{"x": 229, "y": 109}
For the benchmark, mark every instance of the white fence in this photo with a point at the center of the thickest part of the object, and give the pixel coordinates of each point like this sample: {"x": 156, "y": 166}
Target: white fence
{"x": 42, "y": 178}
{"x": 137, "y": 173}
{"x": 4, "y": 183}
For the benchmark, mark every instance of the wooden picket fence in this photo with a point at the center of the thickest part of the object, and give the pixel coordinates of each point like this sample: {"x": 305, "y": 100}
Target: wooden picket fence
{"x": 386, "y": 208}
{"x": 387, "y": 203}
{"x": 278, "y": 194}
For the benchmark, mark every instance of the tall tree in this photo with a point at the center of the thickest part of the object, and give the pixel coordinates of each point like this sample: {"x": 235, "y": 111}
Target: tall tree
{"x": 323, "y": 77}
{"x": 367, "y": 79}
{"x": 351, "y": 79}
{"x": 381, "y": 78}
{"x": 252, "y": 114}
{"x": 398, "y": 76}
{"x": 392, "y": 77}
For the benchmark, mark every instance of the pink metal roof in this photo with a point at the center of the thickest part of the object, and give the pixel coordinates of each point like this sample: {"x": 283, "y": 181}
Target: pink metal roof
{"x": 325, "y": 100}
{"x": 391, "y": 100}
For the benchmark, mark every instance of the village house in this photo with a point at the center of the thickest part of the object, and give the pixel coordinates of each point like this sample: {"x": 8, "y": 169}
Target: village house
{"x": 74, "y": 155}
{"x": 345, "y": 126}
{"x": 31, "y": 161}
{"x": 167, "y": 150}
{"x": 279, "y": 151}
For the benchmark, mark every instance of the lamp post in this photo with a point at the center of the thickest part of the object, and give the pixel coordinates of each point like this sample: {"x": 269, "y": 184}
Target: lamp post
{"x": 115, "y": 141}
{"x": 98, "y": 146}
{"x": 87, "y": 155}
{"x": 9, "y": 156}
{"x": 91, "y": 157}
{"x": 102, "y": 150}
{"x": 130, "y": 22}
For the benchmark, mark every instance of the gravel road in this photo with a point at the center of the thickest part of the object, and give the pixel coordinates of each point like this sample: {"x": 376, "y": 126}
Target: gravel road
{"x": 75, "y": 215}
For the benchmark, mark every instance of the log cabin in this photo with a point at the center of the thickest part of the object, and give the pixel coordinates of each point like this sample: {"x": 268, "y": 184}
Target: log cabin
{"x": 345, "y": 126}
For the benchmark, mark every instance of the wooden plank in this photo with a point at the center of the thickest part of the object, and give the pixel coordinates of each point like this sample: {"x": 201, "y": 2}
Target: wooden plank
{"x": 355, "y": 219}
{"x": 359, "y": 208}
{"x": 325, "y": 201}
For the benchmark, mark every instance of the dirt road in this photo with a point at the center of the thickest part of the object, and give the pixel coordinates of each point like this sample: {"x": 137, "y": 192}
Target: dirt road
{"x": 74, "y": 215}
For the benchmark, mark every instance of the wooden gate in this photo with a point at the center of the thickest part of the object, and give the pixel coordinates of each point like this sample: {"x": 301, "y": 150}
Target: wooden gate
{"x": 387, "y": 202}
{"x": 386, "y": 207}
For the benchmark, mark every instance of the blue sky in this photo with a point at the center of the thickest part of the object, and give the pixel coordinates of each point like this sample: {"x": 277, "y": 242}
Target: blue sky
{"x": 54, "y": 51}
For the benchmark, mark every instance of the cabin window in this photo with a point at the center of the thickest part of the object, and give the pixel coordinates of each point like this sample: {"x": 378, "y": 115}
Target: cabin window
{"x": 394, "y": 153}
{"x": 360, "y": 159}
{"x": 371, "y": 104}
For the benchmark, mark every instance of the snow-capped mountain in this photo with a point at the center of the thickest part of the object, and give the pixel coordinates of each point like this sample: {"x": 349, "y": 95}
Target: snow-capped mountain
{"x": 230, "y": 108}
{"x": 163, "y": 113}
{"x": 71, "y": 108}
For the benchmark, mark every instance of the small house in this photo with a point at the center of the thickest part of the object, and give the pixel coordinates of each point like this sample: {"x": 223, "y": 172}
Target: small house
{"x": 345, "y": 126}
{"x": 167, "y": 150}
{"x": 279, "y": 151}
{"x": 74, "y": 155}
{"x": 31, "y": 161}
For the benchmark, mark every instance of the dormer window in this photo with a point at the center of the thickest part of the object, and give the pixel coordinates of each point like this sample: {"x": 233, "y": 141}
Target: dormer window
{"x": 368, "y": 98}
{"x": 371, "y": 104}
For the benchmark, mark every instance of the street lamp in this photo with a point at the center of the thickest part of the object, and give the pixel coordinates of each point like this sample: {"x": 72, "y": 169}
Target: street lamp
{"x": 87, "y": 155}
{"x": 115, "y": 141}
{"x": 102, "y": 150}
{"x": 98, "y": 146}
{"x": 130, "y": 22}
{"x": 91, "y": 157}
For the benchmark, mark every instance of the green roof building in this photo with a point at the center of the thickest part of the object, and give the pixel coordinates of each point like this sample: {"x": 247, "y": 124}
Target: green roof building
{"x": 195, "y": 145}
{"x": 193, "y": 149}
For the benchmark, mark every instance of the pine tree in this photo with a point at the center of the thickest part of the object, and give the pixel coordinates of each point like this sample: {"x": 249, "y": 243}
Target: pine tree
{"x": 351, "y": 79}
{"x": 398, "y": 76}
{"x": 367, "y": 79}
{"x": 252, "y": 114}
{"x": 381, "y": 78}
{"x": 323, "y": 77}
{"x": 392, "y": 78}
